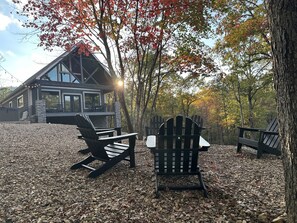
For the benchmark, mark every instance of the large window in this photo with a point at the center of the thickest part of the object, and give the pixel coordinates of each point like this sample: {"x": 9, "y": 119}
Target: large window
{"x": 72, "y": 103}
{"x": 92, "y": 101}
{"x": 60, "y": 73}
{"x": 20, "y": 101}
{"x": 52, "y": 100}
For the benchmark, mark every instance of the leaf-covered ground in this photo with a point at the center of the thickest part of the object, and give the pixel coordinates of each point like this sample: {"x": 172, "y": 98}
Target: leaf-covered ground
{"x": 37, "y": 185}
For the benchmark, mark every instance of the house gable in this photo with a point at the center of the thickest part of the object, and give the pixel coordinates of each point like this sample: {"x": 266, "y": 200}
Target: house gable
{"x": 78, "y": 68}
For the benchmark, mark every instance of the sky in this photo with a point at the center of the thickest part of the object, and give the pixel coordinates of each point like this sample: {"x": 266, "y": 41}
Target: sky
{"x": 19, "y": 58}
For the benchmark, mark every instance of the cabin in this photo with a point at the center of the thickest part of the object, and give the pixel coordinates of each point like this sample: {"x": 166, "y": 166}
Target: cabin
{"x": 72, "y": 83}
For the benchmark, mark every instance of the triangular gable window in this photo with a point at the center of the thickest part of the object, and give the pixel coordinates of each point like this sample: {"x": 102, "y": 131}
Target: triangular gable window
{"x": 60, "y": 73}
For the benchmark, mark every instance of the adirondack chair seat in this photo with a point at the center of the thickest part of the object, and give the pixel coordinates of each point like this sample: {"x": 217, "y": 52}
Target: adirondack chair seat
{"x": 109, "y": 151}
{"x": 267, "y": 141}
{"x": 84, "y": 122}
{"x": 175, "y": 149}
{"x": 157, "y": 121}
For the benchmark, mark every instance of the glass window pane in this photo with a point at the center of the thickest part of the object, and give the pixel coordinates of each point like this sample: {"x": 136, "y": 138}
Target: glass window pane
{"x": 65, "y": 77}
{"x": 92, "y": 100}
{"x": 20, "y": 102}
{"x": 72, "y": 103}
{"x": 67, "y": 103}
{"x": 76, "y": 104}
{"x": 52, "y": 99}
{"x": 53, "y": 74}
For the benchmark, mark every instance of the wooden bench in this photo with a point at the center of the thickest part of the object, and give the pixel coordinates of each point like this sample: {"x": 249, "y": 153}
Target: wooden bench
{"x": 267, "y": 140}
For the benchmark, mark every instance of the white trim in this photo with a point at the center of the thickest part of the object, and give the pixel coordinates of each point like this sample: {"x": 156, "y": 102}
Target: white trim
{"x": 10, "y": 105}
{"x": 22, "y": 96}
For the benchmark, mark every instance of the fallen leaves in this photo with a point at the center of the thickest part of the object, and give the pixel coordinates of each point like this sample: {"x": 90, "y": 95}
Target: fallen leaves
{"x": 37, "y": 185}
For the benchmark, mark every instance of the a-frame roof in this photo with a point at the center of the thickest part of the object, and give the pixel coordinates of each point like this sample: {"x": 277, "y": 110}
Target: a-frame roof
{"x": 48, "y": 67}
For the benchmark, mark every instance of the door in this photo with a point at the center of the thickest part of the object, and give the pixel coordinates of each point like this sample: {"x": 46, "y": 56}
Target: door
{"x": 72, "y": 103}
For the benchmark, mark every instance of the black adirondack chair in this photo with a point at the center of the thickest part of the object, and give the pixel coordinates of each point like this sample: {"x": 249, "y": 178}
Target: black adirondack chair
{"x": 204, "y": 145}
{"x": 83, "y": 121}
{"x": 176, "y": 153}
{"x": 198, "y": 119}
{"x": 267, "y": 140}
{"x": 154, "y": 125}
{"x": 106, "y": 149}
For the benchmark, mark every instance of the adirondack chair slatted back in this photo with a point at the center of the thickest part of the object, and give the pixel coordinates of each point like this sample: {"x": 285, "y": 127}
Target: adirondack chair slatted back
{"x": 272, "y": 140}
{"x": 91, "y": 139}
{"x": 154, "y": 125}
{"x": 198, "y": 120}
{"x": 83, "y": 121}
{"x": 178, "y": 144}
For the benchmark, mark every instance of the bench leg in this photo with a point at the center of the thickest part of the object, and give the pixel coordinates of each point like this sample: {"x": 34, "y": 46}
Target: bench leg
{"x": 239, "y": 145}
{"x": 259, "y": 152}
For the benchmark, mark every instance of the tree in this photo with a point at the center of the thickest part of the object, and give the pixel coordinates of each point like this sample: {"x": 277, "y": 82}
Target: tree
{"x": 120, "y": 30}
{"x": 245, "y": 47}
{"x": 4, "y": 91}
{"x": 283, "y": 20}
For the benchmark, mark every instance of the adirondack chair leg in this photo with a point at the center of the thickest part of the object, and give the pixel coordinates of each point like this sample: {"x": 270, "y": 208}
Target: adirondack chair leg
{"x": 157, "y": 193}
{"x": 109, "y": 164}
{"x": 84, "y": 151}
{"x": 88, "y": 160}
{"x": 203, "y": 187}
{"x": 131, "y": 151}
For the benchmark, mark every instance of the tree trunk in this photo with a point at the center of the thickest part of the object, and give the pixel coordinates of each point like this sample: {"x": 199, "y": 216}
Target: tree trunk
{"x": 283, "y": 20}
{"x": 251, "y": 112}
{"x": 125, "y": 110}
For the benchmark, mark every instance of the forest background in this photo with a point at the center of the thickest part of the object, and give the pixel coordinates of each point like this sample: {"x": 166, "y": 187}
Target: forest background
{"x": 211, "y": 58}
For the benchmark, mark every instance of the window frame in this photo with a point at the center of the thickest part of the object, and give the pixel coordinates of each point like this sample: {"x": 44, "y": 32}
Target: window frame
{"x": 90, "y": 92}
{"x": 22, "y": 99}
{"x": 51, "y": 90}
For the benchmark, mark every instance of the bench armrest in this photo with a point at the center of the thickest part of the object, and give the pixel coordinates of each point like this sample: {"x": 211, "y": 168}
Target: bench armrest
{"x": 250, "y": 129}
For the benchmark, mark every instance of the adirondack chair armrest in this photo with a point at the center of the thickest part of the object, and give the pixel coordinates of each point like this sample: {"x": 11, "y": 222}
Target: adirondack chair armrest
{"x": 250, "y": 129}
{"x": 102, "y": 130}
{"x": 112, "y": 139}
{"x": 102, "y": 133}
{"x": 270, "y": 133}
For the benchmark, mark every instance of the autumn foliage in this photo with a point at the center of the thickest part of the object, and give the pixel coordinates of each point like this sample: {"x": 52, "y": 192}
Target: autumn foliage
{"x": 63, "y": 23}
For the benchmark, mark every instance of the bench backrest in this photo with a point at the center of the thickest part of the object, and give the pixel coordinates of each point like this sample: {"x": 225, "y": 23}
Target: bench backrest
{"x": 177, "y": 146}
{"x": 272, "y": 141}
